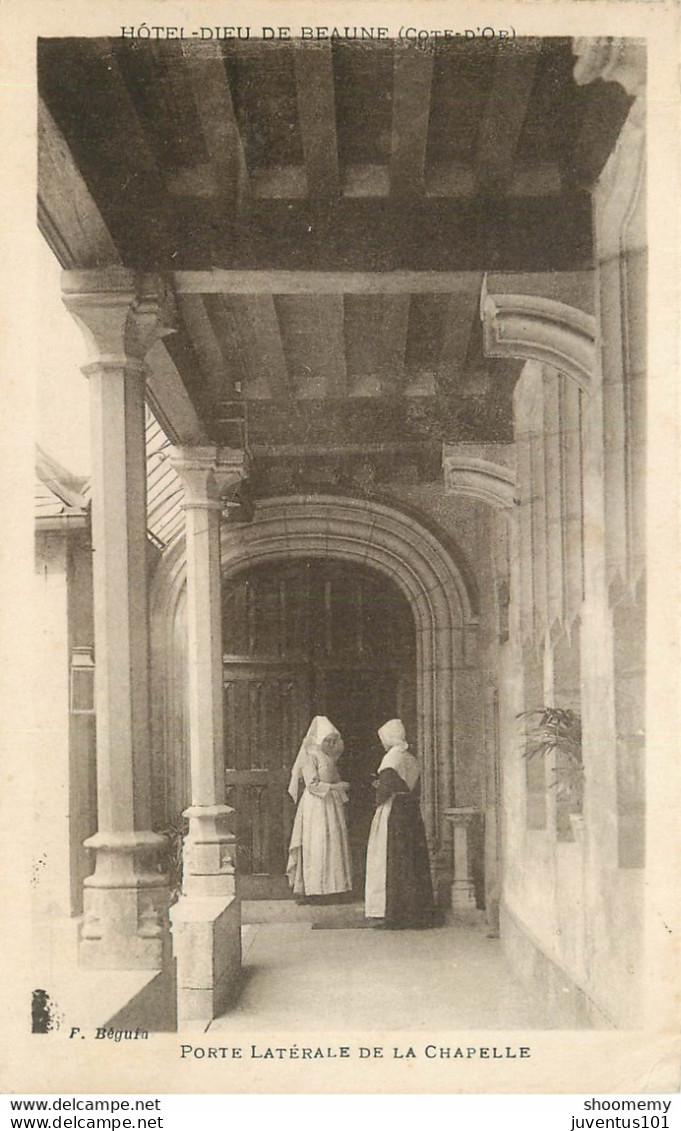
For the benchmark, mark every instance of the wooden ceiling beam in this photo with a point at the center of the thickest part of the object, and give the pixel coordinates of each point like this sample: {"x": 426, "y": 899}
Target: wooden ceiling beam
{"x": 413, "y": 75}
{"x": 504, "y": 117}
{"x": 323, "y": 346}
{"x": 205, "y": 65}
{"x": 225, "y": 325}
{"x": 128, "y": 130}
{"x": 317, "y": 111}
{"x": 396, "y": 331}
{"x": 322, "y": 282}
{"x": 333, "y": 340}
{"x": 451, "y": 179}
{"x": 102, "y": 129}
{"x": 361, "y": 182}
{"x": 169, "y": 399}
{"x": 68, "y": 217}
{"x": 307, "y": 450}
{"x": 207, "y": 349}
{"x": 265, "y": 360}
{"x": 463, "y": 310}
{"x": 378, "y": 236}
{"x": 280, "y": 182}
{"x": 445, "y": 180}
{"x": 376, "y": 352}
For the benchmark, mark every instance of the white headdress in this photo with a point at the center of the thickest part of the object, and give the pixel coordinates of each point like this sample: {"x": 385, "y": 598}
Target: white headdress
{"x": 397, "y": 757}
{"x": 319, "y": 729}
{"x": 393, "y": 733}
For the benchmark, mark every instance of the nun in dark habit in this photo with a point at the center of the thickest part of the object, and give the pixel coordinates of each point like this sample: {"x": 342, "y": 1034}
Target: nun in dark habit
{"x": 399, "y": 889}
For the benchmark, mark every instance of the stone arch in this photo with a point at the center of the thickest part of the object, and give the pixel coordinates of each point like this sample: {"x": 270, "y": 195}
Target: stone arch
{"x": 540, "y": 329}
{"x": 384, "y": 539}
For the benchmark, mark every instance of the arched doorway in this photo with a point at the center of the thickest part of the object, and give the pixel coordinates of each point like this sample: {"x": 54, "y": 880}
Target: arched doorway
{"x": 438, "y": 586}
{"x": 305, "y": 637}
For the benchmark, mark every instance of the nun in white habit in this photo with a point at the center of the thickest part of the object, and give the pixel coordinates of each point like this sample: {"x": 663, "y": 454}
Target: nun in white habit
{"x": 319, "y": 853}
{"x": 399, "y": 889}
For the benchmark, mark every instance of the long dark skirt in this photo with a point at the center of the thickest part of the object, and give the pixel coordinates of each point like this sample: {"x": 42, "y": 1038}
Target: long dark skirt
{"x": 409, "y": 888}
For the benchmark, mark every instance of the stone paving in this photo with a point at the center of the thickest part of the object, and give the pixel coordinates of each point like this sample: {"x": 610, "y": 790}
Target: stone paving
{"x": 450, "y": 978}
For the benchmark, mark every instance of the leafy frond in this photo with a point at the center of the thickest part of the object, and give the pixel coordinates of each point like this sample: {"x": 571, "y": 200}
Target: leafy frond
{"x": 556, "y": 729}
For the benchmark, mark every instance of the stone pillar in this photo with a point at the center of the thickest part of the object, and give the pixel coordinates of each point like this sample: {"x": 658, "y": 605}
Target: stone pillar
{"x": 461, "y": 821}
{"x": 206, "y": 919}
{"x": 621, "y": 247}
{"x": 612, "y": 626}
{"x": 126, "y": 899}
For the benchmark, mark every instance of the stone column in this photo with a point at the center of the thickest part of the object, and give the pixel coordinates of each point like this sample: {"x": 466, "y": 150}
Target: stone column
{"x": 612, "y": 632}
{"x": 619, "y": 427}
{"x": 621, "y": 246}
{"x": 206, "y": 919}
{"x": 126, "y": 899}
{"x": 461, "y": 821}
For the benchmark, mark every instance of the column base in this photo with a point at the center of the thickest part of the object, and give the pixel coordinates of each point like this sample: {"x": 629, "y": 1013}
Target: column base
{"x": 125, "y": 905}
{"x": 463, "y": 896}
{"x": 208, "y": 853}
{"x": 461, "y": 821}
{"x": 207, "y": 946}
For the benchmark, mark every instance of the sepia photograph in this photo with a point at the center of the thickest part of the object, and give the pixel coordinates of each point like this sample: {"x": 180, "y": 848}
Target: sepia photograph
{"x": 341, "y": 482}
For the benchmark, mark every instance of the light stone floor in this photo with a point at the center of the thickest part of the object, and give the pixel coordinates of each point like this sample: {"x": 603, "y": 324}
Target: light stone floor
{"x": 451, "y": 977}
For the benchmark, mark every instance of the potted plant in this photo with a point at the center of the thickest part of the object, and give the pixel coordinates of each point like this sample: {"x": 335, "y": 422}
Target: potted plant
{"x": 172, "y": 858}
{"x": 558, "y": 730}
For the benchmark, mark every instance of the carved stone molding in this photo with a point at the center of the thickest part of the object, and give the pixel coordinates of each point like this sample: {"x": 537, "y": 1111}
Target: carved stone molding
{"x": 479, "y": 478}
{"x": 208, "y": 472}
{"x": 540, "y": 329}
{"x": 119, "y": 311}
{"x": 392, "y": 543}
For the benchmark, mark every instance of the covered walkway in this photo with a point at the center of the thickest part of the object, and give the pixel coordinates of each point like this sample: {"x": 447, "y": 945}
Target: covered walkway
{"x": 379, "y": 352}
{"x": 299, "y": 977}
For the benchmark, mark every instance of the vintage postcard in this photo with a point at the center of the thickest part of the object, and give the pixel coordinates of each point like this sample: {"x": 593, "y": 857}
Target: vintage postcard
{"x": 340, "y": 661}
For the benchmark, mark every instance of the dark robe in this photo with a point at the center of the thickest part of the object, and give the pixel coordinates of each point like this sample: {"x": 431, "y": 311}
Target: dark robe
{"x": 409, "y": 888}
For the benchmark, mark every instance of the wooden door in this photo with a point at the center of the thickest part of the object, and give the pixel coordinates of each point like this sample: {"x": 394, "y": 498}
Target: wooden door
{"x": 359, "y": 700}
{"x": 304, "y": 638}
{"x": 266, "y": 710}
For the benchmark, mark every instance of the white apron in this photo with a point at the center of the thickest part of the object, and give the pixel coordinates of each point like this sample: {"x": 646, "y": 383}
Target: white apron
{"x": 377, "y": 863}
{"x": 404, "y": 764}
{"x": 319, "y": 853}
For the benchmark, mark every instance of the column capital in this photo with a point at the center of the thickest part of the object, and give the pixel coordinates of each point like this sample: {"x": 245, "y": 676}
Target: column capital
{"x": 540, "y": 329}
{"x": 462, "y": 816}
{"x": 612, "y": 60}
{"x": 120, "y": 313}
{"x": 208, "y": 472}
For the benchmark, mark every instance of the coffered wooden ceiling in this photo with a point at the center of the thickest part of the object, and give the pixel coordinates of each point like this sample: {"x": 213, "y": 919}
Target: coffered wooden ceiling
{"x": 325, "y": 213}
